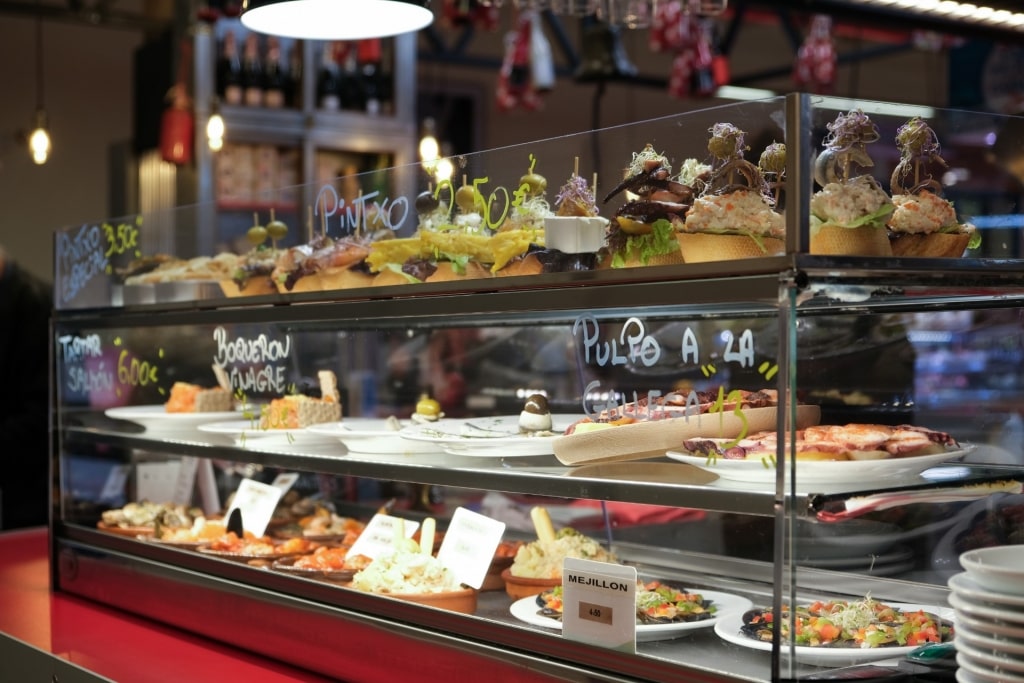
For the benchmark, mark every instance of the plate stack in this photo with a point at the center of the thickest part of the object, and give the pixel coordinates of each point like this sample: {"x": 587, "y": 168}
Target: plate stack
{"x": 989, "y": 601}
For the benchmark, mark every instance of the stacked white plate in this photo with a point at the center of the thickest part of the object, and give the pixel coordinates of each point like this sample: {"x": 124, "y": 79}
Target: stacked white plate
{"x": 988, "y": 598}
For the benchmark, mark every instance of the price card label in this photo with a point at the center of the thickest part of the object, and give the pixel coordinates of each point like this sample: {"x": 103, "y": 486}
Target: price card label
{"x": 379, "y": 535}
{"x": 186, "y": 480}
{"x": 285, "y": 481}
{"x": 156, "y": 481}
{"x": 257, "y": 502}
{"x": 469, "y": 544}
{"x": 599, "y": 604}
{"x": 113, "y": 487}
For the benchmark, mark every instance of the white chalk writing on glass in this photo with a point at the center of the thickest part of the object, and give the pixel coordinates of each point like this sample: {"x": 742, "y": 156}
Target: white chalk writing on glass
{"x": 80, "y": 258}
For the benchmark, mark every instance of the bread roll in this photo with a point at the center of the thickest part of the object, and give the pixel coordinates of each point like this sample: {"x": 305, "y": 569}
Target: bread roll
{"x": 254, "y": 286}
{"x": 388, "y": 277}
{"x": 343, "y": 278}
{"x": 633, "y": 262}
{"x": 308, "y": 283}
{"x": 863, "y": 241}
{"x": 446, "y": 272}
{"x": 528, "y": 264}
{"x": 701, "y": 247}
{"x": 935, "y": 245}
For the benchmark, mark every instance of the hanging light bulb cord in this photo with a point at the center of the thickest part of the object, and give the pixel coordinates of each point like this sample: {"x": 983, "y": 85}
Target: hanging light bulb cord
{"x": 39, "y": 57}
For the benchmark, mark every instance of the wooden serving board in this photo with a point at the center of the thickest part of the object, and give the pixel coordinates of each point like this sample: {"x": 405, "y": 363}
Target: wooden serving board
{"x": 642, "y": 440}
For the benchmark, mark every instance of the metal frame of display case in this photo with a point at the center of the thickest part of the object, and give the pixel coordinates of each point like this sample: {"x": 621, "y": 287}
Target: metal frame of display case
{"x": 277, "y": 614}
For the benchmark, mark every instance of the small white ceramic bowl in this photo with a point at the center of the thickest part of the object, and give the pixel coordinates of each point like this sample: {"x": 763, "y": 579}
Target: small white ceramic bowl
{"x": 575, "y": 234}
{"x": 999, "y": 569}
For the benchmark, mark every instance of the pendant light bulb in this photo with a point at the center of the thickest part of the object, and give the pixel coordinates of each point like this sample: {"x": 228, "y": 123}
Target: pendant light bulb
{"x": 39, "y": 144}
{"x": 430, "y": 150}
{"x": 444, "y": 170}
{"x": 215, "y": 131}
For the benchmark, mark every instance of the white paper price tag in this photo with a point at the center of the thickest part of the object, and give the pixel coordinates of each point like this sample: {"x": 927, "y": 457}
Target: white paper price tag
{"x": 379, "y": 535}
{"x": 469, "y": 544}
{"x": 257, "y": 502}
{"x": 113, "y": 487}
{"x": 599, "y": 603}
{"x": 186, "y": 480}
{"x": 285, "y": 481}
{"x": 155, "y": 481}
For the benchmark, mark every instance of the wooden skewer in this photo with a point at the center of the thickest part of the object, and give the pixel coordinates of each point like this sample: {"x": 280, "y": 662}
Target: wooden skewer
{"x": 576, "y": 166}
{"x": 542, "y": 524}
{"x": 427, "y": 536}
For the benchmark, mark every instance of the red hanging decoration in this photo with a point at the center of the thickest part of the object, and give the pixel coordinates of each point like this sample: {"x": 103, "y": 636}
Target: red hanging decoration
{"x": 460, "y": 13}
{"x": 177, "y": 121}
{"x": 697, "y": 68}
{"x": 515, "y": 82}
{"x": 693, "y": 67}
{"x": 815, "y": 69}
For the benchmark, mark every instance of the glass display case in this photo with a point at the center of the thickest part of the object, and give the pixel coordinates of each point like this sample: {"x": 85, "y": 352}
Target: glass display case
{"x": 687, "y": 395}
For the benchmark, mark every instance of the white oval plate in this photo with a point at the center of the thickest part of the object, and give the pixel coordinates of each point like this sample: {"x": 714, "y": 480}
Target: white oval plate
{"x": 372, "y": 435}
{"x": 997, "y": 568}
{"x": 988, "y": 626}
{"x": 987, "y": 610}
{"x": 984, "y": 672}
{"x": 488, "y": 437}
{"x": 985, "y": 642}
{"x": 248, "y": 432}
{"x": 525, "y": 609}
{"x": 963, "y": 585}
{"x": 998, "y": 661}
{"x": 156, "y": 418}
{"x": 728, "y": 629}
{"x": 821, "y": 471}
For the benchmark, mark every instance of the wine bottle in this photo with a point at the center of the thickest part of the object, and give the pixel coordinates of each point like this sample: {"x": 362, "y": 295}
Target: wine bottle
{"x": 368, "y": 55}
{"x": 274, "y": 78}
{"x": 252, "y": 71}
{"x": 328, "y": 86}
{"x": 352, "y": 96}
{"x": 295, "y": 75}
{"x": 387, "y": 79}
{"x": 229, "y": 71}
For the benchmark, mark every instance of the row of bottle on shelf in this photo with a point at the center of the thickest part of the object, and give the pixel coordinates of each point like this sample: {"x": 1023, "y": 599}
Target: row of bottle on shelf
{"x": 267, "y": 71}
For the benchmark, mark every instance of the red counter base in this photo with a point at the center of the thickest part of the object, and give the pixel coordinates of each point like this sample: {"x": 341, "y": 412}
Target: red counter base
{"x": 103, "y": 641}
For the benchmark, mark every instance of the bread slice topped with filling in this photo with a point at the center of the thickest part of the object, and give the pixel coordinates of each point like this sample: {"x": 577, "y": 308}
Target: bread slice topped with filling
{"x": 831, "y": 442}
{"x": 299, "y": 411}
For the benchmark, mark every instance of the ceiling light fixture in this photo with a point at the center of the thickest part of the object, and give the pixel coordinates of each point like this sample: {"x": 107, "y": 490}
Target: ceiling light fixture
{"x": 336, "y": 19}
{"x": 215, "y": 128}
{"x": 39, "y": 144}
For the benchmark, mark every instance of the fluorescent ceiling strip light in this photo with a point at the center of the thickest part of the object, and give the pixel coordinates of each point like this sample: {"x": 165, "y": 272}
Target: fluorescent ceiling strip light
{"x": 951, "y": 9}
{"x": 739, "y": 92}
{"x": 879, "y": 108}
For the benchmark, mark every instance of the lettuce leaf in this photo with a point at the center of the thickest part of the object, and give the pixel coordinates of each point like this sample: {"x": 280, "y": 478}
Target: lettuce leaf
{"x": 660, "y": 240}
{"x": 876, "y": 218}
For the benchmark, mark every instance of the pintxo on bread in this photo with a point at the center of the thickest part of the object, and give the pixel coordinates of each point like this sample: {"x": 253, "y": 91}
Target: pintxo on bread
{"x": 855, "y": 441}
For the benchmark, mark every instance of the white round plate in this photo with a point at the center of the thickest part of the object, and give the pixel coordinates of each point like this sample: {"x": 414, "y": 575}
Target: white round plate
{"x": 986, "y": 642}
{"x": 983, "y": 625}
{"x": 488, "y": 437}
{"x": 157, "y": 419}
{"x": 525, "y": 609}
{"x": 372, "y": 435}
{"x": 728, "y": 629}
{"x": 1000, "y": 661}
{"x": 248, "y": 432}
{"x": 860, "y": 562}
{"x": 983, "y": 672}
{"x": 852, "y": 538}
{"x": 998, "y": 568}
{"x": 819, "y": 471}
{"x": 963, "y": 585}
{"x": 965, "y": 676}
{"x": 987, "y": 610}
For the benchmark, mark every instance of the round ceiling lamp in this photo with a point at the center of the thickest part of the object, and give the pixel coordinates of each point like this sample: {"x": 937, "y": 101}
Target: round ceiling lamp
{"x": 336, "y": 19}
